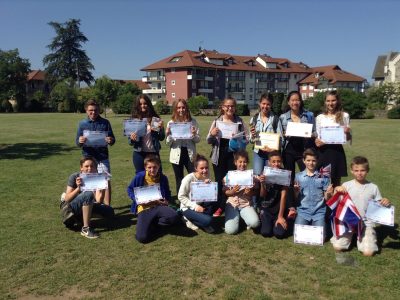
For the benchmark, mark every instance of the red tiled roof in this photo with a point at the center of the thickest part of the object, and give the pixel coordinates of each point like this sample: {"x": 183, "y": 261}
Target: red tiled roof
{"x": 140, "y": 84}
{"x": 36, "y": 75}
{"x": 333, "y": 73}
{"x": 190, "y": 59}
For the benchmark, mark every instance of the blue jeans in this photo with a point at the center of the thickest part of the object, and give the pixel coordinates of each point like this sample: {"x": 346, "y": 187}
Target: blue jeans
{"x": 83, "y": 199}
{"x": 232, "y": 218}
{"x": 197, "y": 218}
{"x": 260, "y": 160}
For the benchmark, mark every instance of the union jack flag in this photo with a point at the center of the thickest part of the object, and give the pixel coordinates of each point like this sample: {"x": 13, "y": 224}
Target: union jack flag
{"x": 345, "y": 216}
{"x": 325, "y": 171}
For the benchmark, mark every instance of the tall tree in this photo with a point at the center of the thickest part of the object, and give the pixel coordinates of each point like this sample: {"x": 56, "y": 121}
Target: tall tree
{"x": 67, "y": 59}
{"x": 13, "y": 75}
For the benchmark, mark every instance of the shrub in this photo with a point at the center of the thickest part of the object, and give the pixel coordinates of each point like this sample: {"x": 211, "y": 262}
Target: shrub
{"x": 196, "y": 103}
{"x": 123, "y": 104}
{"x": 242, "y": 110}
{"x": 6, "y": 106}
{"x": 315, "y": 104}
{"x": 277, "y": 106}
{"x": 369, "y": 115}
{"x": 394, "y": 113}
{"x": 162, "y": 108}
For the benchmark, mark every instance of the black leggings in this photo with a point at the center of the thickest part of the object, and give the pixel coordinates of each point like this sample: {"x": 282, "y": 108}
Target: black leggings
{"x": 184, "y": 162}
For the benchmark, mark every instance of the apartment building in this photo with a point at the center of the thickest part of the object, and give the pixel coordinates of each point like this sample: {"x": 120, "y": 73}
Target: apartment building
{"x": 328, "y": 78}
{"x": 216, "y": 75}
{"x": 387, "y": 68}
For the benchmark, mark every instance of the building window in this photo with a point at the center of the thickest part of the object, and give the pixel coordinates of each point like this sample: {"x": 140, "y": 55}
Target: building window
{"x": 251, "y": 90}
{"x": 175, "y": 59}
{"x": 251, "y": 97}
{"x": 304, "y": 96}
{"x": 173, "y": 70}
{"x": 304, "y": 87}
{"x": 173, "y": 95}
{"x": 295, "y": 76}
{"x": 172, "y": 82}
{"x": 251, "y": 75}
{"x": 311, "y": 95}
{"x": 311, "y": 87}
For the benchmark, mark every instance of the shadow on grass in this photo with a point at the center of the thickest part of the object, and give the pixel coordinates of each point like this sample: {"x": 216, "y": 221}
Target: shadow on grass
{"x": 32, "y": 151}
{"x": 383, "y": 232}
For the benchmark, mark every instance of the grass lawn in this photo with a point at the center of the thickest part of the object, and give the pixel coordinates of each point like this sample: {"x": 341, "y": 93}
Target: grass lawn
{"x": 42, "y": 259}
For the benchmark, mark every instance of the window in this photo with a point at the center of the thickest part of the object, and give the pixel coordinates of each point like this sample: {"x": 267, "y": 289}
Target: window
{"x": 311, "y": 95}
{"x": 304, "y": 87}
{"x": 172, "y": 82}
{"x": 175, "y": 59}
{"x": 251, "y": 75}
{"x": 251, "y": 97}
{"x": 251, "y": 90}
{"x": 295, "y": 76}
{"x": 311, "y": 87}
{"x": 173, "y": 70}
{"x": 173, "y": 95}
{"x": 304, "y": 96}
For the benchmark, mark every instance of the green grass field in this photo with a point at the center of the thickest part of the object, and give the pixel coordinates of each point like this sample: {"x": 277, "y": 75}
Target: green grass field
{"x": 42, "y": 259}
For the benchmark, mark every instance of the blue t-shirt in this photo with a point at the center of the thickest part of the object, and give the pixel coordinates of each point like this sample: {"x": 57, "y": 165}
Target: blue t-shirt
{"x": 311, "y": 197}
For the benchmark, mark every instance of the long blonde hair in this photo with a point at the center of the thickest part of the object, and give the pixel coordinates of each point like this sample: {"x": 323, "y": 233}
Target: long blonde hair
{"x": 187, "y": 117}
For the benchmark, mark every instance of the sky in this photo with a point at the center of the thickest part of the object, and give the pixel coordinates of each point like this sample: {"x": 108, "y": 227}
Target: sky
{"x": 125, "y": 36}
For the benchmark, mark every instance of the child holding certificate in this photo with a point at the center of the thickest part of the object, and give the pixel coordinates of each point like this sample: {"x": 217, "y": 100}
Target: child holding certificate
{"x": 154, "y": 212}
{"x": 311, "y": 191}
{"x": 183, "y": 150}
{"x": 239, "y": 200}
{"x": 333, "y": 154}
{"x": 360, "y": 191}
{"x": 273, "y": 203}
{"x": 221, "y": 155}
{"x": 95, "y": 123}
{"x": 264, "y": 121}
{"x": 150, "y": 142}
{"x": 196, "y": 214}
{"x": 78, "y": 205}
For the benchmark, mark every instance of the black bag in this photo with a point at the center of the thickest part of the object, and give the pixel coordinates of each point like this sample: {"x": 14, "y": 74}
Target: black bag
{"x": 67, "y": 214}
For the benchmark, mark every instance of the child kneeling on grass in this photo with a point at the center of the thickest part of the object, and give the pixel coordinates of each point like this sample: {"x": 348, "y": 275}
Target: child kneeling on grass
{"x": 273, "y": 203}
{"x": 311, "y": 190}
{"x": 196, "y": 214}
{"x": 80, "y": 203}
{"x": 360, "y": 191}
{"x": 155, "y": 212}
{"x": 239, "y": 202}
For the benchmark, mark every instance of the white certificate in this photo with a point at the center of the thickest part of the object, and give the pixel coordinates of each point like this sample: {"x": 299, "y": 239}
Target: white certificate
{"x": 181, "y": 131}
{"x": 93, "y": 181}
{"x": 95, "y": 138}
{"x": 269, "y": 139}
{"x": 227, "y": 129}
{"x": 310, "y": 235}
{"x": 333, "y": 135}
{"x": 135, "y": 126}
{"x": 241, "y": 178}
{"x": 277, "y": 176}
{"x": 148, "y": 193}
{"x": 203, "y": 192}
{"x": 299, "y": 129}
{"x": 380, "y": 214}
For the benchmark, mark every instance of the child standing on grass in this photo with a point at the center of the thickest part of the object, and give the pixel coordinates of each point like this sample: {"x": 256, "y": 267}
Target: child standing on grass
{"x": 221, "y": 154}
{"x": 94, "y": 122}
{"x": 196, "y": 214}
{"x": 81, "y": 203}
{"x": 156, "y": 212}
{"x": 182, "y": 150}
{"x": 360, "y": 191}
{"x": 273, "y": 203}
{"x": 239, "y": 202}
{"x": 330, "y": 154}
{"x": 150, "y": 143}
{"x": 311, "y": 191}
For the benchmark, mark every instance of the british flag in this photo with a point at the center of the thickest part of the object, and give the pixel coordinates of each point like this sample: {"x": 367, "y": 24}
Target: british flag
{"x": 325, "y": 171}
{"x": 345, "y": 216}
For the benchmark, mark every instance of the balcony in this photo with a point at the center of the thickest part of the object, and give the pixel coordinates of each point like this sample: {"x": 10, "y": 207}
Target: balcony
{"x": 208, "y": 78}
{"x": 154, "y": 91}
{"x": 235, "y": 78}
{"x": 153, "y": 78}
{"x": 236, "y": 90}
{"x": 204, "y": 90}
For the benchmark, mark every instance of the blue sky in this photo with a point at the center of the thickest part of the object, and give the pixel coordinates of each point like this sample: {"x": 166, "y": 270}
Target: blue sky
{"x": 124, "y": 36}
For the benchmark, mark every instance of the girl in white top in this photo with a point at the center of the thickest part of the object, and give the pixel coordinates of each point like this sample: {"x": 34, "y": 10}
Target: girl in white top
{"x": 182, "y": 150}
{"x": 333, "y": 154}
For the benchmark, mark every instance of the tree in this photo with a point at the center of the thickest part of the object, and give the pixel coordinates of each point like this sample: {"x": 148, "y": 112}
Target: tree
{"x": 13, "y": 75}
{"x": 127, "y": 94}
{"x": 67, "y": 59}
{"x": 196, "y": 103}
{"x": 106, "y": 91}
{"x": 64, "y": 97}
{"x": 386, "y": 95}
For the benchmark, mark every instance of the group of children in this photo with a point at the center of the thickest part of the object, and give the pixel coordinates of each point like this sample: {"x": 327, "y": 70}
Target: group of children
{"x": 271, "y": 209}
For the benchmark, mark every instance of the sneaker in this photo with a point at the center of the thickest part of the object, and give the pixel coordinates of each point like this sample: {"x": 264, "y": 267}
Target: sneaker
{"x": 189, "y": 224}
{"x": 218, "y": 213}
{"x": 89, "y": 233}
{"x": 62, "y": 199}
{"x": 209, "y": 229}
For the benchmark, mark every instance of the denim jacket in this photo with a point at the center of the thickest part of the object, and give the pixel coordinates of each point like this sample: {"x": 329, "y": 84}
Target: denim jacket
{"x": 156, "y": 137}
{"x": 267, "y": 127}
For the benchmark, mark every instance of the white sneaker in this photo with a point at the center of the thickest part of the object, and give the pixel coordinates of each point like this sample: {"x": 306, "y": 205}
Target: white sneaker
{"x": 62, "y": 197}
{"x": 189, "y": 224}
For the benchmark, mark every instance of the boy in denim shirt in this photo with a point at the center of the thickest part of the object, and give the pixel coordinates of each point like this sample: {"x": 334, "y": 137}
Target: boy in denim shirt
{"x": 311, "y": 191}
